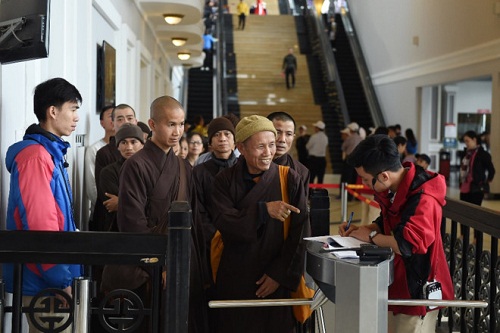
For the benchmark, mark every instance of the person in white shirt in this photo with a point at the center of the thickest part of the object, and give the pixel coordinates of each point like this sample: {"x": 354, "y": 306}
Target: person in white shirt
{"x": 316, "y": 147}
{"x": 91, "y": 151}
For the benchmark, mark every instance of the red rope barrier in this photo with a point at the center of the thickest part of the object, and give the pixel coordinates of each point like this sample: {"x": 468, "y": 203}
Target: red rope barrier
{"x": 363, "y": 199}
{"x": 350, "y": 188}
{"x": 324, "y": 185}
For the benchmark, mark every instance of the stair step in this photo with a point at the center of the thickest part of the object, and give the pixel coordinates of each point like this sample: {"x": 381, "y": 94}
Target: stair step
{"x": 259, "y": 51}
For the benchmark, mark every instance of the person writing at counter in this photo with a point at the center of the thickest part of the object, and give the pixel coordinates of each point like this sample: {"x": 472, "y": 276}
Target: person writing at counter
{"x": 411, "y": 201}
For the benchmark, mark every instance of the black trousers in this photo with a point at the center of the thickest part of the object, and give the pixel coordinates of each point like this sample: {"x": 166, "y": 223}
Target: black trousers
{"x": 317, "y": 167}
{"x": 290, "y": 72}
{"x": 475, "y": 198}
{"x": 241, "y": 21}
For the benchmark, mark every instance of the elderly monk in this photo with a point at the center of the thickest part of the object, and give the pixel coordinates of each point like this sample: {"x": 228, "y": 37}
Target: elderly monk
{"x": 258, "y": 261}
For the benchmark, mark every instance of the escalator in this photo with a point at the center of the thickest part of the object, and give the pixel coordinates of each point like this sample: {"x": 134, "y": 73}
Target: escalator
{"x": 350, "y": 96}
{"x": 200, "y": 96}
{"x": 349, "y": 76}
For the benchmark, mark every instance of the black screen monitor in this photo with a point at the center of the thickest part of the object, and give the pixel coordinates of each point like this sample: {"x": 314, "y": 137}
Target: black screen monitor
{"x": 24, "y": 30}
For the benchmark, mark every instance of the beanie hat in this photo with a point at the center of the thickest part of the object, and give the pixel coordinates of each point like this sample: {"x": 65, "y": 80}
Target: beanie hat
{"x": 219, "y": 124}
{"x": 250, "y": 125}
{"x": 128, "y": 130}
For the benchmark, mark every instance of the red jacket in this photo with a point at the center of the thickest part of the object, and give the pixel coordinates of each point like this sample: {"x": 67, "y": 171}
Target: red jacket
{"x": 414, "y": 219}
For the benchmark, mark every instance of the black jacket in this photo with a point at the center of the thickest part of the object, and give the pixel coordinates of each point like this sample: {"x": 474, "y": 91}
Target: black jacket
{"x": 482, "y": 163}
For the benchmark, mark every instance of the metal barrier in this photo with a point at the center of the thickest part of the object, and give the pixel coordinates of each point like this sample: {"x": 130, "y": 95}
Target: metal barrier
{"x": 359, "y": 288}
{"x": 178, "y": 256}
{"x": 81, "y": 301}
{"x": 474, "y": 265}
{"x": 318, "y": 300}
{"x": 100, "y": 248}
{"x": 2, "y": 306}
{"x": 310, "y": 301}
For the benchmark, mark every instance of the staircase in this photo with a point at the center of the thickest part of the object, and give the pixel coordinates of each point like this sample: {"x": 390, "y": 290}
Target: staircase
{"x": 259, "y": 50}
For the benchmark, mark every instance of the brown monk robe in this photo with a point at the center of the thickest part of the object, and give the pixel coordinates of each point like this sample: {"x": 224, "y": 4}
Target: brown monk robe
{"x": 150, "y": 182}
{"x": 254, "y": 245}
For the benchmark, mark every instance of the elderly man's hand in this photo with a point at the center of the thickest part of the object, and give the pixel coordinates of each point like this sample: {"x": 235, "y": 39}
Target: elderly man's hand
{"x": 280, "y": 210}
{"x": 267, "y": 286}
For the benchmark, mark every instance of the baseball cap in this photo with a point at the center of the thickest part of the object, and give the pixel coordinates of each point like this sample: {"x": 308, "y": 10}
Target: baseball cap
{"x": 319, "y": 124}
{"x": 353, "y": 126}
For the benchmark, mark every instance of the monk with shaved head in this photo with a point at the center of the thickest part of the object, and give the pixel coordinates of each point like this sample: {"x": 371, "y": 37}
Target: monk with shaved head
{"x": 150, "y": 181}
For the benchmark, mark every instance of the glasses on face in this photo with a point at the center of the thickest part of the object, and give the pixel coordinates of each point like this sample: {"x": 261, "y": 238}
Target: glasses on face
{"x": 196, "y": 143}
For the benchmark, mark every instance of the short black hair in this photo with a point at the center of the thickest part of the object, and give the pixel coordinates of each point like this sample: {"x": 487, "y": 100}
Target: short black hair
{"x": 376, "y": 153}
{"x": 104, "y": 109}
{"x": 472, "y": 135}
{"x": 144, "y": 127}
{"x": 400, "y": 140}
{"x": 283, "y": 116}
{"x": 54, "y": 92}
{"x": 381, "y": 130}
{"x": 120, "y": 107}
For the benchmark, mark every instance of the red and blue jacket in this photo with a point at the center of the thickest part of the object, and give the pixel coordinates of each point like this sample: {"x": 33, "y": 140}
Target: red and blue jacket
{"x": 414, "y": 218}
{"x": 40, "y": 198}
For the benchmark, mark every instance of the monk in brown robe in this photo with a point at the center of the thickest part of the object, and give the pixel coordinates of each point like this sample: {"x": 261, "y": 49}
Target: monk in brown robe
{"x": 108, "y": 154}
{"x": 257, "y": 262}
{"x": 150, "y": 182}
{"x": 129, "y": 140}
{"x": 221, "y": 139}
{"x": 285, "y": 129}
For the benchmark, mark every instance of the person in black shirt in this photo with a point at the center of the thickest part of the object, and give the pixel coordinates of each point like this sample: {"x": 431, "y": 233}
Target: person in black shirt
{"x": 290, "y": 68}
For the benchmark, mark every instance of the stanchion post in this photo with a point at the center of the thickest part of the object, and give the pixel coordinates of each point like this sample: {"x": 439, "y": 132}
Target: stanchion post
{"x": 319, "y": 212}
{"x": 2, "y": 305}
{"x": 81, "y": 315}
{"x": 176, "y": 293}
{"x": 17, "y": 301}
{"x": 343, "y": 202}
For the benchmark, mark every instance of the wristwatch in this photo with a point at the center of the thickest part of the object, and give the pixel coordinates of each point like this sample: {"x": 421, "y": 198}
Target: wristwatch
{"x": 373, "y": 233}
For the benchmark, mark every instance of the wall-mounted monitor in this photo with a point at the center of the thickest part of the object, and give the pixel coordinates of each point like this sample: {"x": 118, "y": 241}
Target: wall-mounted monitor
{"x": 24, "y": 30}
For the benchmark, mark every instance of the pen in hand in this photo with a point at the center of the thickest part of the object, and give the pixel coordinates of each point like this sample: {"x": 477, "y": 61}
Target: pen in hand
{"x": 349, "y": 221}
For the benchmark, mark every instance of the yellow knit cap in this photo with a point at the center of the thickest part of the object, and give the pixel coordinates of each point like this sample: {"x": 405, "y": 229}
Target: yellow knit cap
{"x": 250, "y": 125}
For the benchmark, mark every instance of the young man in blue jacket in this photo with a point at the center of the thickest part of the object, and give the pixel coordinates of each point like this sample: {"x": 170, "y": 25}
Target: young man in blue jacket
{"x": 40, "y": 195}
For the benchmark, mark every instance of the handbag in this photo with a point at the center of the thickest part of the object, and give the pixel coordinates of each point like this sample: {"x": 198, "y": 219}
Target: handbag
{"x": 300, "y": 312}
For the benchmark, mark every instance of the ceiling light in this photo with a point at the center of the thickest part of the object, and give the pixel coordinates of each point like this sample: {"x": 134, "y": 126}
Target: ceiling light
{"x": 173, "y": 18}
{"x": 183, "y": 55}
{"x": 177, "y": 41}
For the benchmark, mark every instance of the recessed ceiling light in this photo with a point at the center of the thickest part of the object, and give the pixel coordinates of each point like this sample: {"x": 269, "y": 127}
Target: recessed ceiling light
{"x": 178, "y": 41}
{"x": 183, "y": 55}
{"x": 173, "y": 18}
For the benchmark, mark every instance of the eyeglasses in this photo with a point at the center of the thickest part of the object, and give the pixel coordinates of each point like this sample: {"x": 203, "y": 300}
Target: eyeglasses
{"x": 196, "y": 143}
